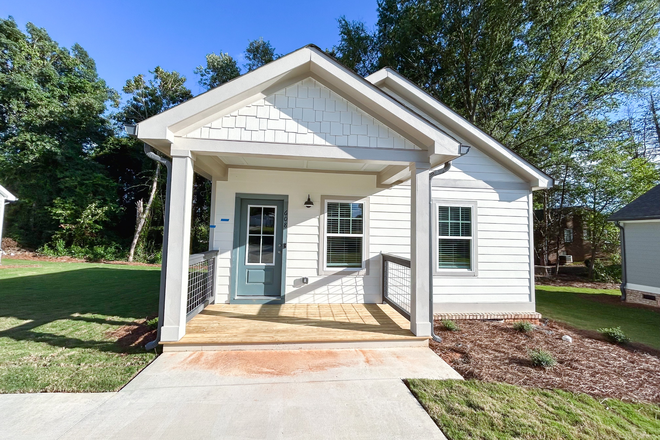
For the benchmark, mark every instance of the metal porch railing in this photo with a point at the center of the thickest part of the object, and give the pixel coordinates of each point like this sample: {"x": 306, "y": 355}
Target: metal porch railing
{"x": 201, "y": 281}
{"x": 397, "y": 283}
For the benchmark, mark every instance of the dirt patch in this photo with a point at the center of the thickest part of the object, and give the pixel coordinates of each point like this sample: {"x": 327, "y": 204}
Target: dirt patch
{"x": 494, "y": 352}
{"x": 136, "y": 334}
{"x": 574, "y": 281}
{"x": 18, "y": 266}
{"x": 274, "y": 363}
{"x": 616, "y": 301}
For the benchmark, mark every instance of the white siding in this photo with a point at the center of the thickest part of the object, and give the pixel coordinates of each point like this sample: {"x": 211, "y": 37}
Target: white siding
{"x": 503, "y": 280}
{"x": 304, "y": 113}
{"x": 642, "y": 244}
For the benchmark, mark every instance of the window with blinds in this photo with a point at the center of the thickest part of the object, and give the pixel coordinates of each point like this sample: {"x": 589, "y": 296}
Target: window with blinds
{"x": 455, "y": 237}
{"x": 344, "y": 234}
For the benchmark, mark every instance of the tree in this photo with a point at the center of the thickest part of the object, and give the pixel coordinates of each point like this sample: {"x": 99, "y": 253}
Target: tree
{"x": 147, "y": 98}
{"x": 357, "y": 47}
{"x": 52, "y": 122}
{"x": 258, "y": 53}
{"x": 219, "y": 70}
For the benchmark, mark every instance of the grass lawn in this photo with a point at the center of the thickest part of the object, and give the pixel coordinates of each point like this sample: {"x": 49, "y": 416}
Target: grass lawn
{"x": 591, "y": 309}
{"x": 481, "y": 410}
{"x": 54, "y": 321}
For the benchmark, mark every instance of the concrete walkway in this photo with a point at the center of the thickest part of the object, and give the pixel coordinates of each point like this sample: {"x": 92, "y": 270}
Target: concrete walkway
{"x": 328, "y": 394}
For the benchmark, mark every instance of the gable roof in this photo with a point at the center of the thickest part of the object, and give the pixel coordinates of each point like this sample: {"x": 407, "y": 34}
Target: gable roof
{"x": 644, "y": 207}
{"x": 160, "y": 130}
{"x": 419, "y": 101}
{"x": 7, "y": 195}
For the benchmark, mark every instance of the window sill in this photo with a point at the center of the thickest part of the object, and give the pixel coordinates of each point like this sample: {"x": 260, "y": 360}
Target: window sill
{"x": 343, "y": 271}
{"x": 454, "y": 273}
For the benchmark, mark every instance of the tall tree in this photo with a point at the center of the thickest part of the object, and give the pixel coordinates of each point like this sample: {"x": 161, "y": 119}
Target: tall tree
{"x": 146, "y": 98}
{"x": 258, "y": 53}
{"x": 219, "y": 69}
{"x": 52, "y": 121}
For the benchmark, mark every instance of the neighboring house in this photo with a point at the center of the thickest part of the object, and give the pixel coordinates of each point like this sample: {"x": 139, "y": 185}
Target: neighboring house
{"x": 5, "y": 198}
{"x": 574, "y": 241}
{"x": 639, "y": 222}
{"x": 317, "y": 171}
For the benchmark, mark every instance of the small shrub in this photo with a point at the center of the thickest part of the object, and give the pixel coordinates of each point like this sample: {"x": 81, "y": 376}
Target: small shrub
{"x": 450, "y": 325}
{"x": 152, "y": 323}
{"x": 523, "y": 326}
{"x": 614, "y": 334}
{"x": 541, "y": 358}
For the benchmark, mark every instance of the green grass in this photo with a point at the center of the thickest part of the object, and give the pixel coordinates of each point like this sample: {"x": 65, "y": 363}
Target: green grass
{"x": 481, "y": 410}
{"x": 580, "y": 308}
{"x": 54, "y": 319}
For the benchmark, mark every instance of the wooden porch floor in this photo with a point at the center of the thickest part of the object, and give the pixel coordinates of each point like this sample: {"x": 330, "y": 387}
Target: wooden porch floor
{"x": 223, "y": 326}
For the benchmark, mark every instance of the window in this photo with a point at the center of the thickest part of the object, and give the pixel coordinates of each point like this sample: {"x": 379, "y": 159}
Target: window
{"x": 344, "y": 234}
{"x": 585, "y": 235}
{"x": 568, "y": 235}
{"x": 455, "y": 237}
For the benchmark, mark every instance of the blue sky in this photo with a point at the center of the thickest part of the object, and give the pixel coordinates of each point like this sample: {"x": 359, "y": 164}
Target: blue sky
{"x": 126, "y": 38}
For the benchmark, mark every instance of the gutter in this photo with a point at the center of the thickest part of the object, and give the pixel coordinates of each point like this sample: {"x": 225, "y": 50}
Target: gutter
{"x": 623, "y": 260}
{"x": 151, "y": 154}
{"x": 464, "y": 149}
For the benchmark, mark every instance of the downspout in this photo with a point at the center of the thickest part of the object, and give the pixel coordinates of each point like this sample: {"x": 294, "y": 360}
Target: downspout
{"x": 151, "y": 154}
{"x": 623, "y": 260}
{"x": 464, "y": 149}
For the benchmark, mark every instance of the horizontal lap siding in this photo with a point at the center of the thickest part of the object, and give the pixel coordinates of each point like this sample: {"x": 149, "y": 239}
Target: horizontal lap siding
{"x": 503, "y": 247}
{"x": 303, "y": 233}
{"x": 642, "y": 247}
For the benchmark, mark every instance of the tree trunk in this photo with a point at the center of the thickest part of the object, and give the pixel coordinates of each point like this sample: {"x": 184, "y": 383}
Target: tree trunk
{"x": 143, "y": 214}
{"x": 560, "y": 229}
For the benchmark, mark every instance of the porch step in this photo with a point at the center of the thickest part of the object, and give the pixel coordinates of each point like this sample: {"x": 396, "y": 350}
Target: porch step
{"x": 316, "y": 345}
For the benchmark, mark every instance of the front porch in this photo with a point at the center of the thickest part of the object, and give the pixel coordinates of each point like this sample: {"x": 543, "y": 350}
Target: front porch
{"x": 295, "y": 326}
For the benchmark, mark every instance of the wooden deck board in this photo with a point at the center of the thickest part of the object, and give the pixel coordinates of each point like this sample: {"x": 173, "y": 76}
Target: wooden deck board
{"x": 228, "y": 324}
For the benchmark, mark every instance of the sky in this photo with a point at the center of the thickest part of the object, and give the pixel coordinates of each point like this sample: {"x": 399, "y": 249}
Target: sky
{"x": 127, "y": 38}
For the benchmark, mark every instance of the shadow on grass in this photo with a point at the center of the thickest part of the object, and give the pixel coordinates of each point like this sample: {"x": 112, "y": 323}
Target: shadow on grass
{"x": 99, "y": 291}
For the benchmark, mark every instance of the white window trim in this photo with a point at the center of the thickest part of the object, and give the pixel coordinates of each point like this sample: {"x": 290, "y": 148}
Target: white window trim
{"x": 323, "y": 270}
{"x": 473, "y": 271}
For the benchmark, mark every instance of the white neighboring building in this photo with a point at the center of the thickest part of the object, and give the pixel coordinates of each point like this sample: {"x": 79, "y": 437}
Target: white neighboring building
{"x": 639, "y": 222}
{"x": 317, "y": 172}
{"x": 5, "y": 198}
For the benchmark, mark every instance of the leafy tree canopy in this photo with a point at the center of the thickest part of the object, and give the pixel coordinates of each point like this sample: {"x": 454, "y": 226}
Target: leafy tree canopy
{"x": 219, "y": 70}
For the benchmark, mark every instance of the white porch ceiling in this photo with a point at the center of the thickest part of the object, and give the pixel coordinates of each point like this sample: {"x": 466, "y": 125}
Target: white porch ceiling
{"x": 310, "y": 165}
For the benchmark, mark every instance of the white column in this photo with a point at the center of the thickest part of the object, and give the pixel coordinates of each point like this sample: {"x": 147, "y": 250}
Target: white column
{"x": 178, "y": 254}
{"x": 2, "y": 219}
{"x": 420, "y": 242}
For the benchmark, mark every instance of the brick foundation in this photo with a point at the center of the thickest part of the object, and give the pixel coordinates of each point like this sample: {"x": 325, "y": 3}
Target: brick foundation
{"x": 509, "y": 317}
{"x": 637, "y": 297}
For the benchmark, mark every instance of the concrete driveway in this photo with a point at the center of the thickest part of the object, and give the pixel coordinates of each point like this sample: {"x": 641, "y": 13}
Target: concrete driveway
{"x": 325, "y": 394}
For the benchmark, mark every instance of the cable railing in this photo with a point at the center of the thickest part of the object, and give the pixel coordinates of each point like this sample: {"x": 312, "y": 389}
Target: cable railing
{"x": 201, "y": 281}
{"x": 397, "y": 283}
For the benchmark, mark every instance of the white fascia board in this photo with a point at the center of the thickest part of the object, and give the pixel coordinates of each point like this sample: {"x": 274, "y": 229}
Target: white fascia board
{"x": 462, "y": 128}
{"x": 5, "y": 194}
{"x": 386, "y": 156}
{"x": 384, "y": 107}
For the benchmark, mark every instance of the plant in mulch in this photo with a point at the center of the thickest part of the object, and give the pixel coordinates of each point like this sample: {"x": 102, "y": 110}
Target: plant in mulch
{"x": 523, "y": 326}
{"x": 614, "y": 334}
{"x": 541, "y": 358}
{"x": 152, "y": 323}
{"x": 450, "y": 325}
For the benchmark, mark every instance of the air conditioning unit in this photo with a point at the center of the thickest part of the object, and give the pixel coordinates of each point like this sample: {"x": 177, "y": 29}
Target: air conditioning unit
{"x": 569, "y": 258}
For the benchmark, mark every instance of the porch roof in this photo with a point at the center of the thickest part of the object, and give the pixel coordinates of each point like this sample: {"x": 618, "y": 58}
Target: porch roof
{"x": 5, "y": 194}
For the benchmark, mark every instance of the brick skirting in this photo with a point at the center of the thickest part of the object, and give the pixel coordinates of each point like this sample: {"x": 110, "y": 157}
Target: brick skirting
{"x": 637, "y": 297}
{"x": 531, "y": 317}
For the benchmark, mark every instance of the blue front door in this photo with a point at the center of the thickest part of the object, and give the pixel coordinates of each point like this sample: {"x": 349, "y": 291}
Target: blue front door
{"x": 260, "y": 250}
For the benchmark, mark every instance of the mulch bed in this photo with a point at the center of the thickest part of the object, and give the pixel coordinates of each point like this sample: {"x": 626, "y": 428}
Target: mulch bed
{"x": 573, "y": 281}
{"x": 492, "y": 351}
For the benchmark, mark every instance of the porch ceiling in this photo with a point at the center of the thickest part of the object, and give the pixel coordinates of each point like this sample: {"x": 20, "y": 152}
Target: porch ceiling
{"x": 301, "y": 164}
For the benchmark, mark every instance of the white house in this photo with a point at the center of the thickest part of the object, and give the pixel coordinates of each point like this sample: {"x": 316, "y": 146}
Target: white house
{"x": 318, "y": 172}
{"x": 5, "y": 198}
{"x": 639, "y": 223}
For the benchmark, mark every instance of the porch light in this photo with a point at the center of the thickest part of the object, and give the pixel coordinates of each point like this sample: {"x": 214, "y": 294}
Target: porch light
{"x": 308, "y": 202}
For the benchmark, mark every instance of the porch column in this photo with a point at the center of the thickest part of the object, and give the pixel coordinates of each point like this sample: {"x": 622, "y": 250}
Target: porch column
{"x": 420, "y": 249}
{"x": 178, "y": 252}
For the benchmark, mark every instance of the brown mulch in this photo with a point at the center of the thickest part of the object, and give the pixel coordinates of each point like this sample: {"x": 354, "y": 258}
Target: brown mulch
{"x": 492, "y": 351}
{"x": 135, "y": 334}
